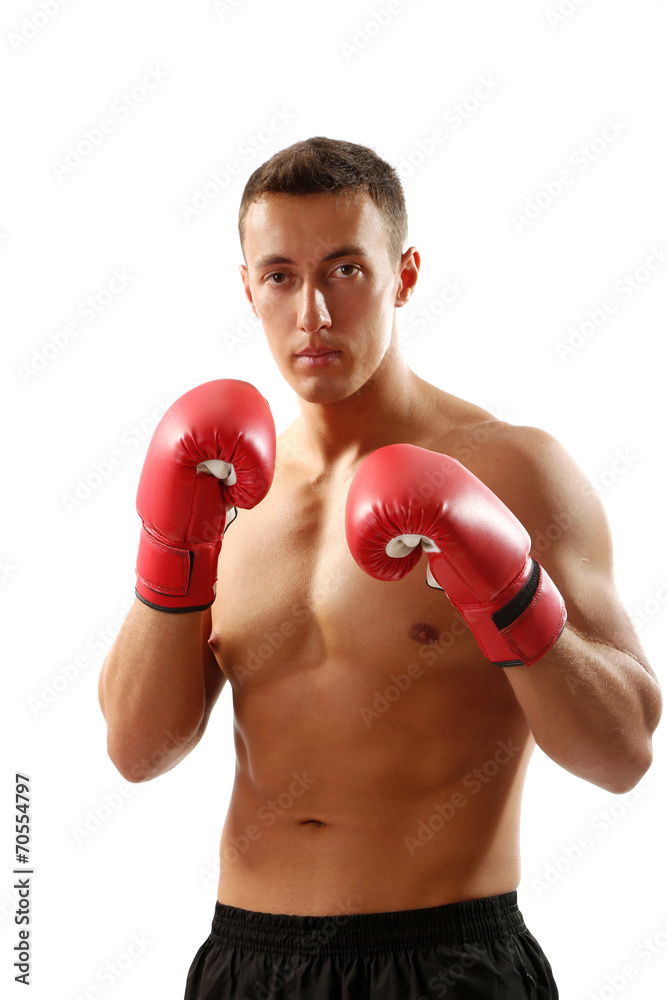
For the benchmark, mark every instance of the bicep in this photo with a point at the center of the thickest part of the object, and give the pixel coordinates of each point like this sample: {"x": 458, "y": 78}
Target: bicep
{"x": 571, "y": 539}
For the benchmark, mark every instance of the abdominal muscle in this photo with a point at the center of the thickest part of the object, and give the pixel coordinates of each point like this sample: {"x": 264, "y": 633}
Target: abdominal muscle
{"x": 328, "y": 815}
{"x": 360, "y": 863}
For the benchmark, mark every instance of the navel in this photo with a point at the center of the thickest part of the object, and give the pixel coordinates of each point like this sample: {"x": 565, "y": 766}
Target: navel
{"x": 424, "y": 633}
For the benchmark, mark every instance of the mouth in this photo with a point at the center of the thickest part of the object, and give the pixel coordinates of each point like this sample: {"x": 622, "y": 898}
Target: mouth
{"x": 316, "y": 352}
{"x": 316, "y": 357}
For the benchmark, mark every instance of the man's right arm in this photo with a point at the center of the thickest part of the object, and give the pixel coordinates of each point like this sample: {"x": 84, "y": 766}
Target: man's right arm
{"x": 157, "y": 689}
{"x": 212, "y": 451}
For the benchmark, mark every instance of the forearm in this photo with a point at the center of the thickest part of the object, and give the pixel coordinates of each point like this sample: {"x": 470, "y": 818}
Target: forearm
{"x": 152, "y": 691}
{"x": 592, "y": 708}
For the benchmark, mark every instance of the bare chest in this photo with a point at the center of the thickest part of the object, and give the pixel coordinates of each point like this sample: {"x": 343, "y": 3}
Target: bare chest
{"x": 329, "y": 667}
{"x": 292, "y": 601}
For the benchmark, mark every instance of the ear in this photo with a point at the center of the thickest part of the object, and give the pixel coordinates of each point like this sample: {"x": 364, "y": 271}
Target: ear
{"x": 408, "y": 274}
{"x": 246, "y": 287}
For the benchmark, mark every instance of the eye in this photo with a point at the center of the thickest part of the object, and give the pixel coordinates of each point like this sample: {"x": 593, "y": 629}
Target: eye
{"x": 354, "y": 266}
{"x": 276, "y": 274}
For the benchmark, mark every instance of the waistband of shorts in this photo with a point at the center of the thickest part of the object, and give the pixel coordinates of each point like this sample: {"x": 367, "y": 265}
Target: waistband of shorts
{"x": 452, "y": 924}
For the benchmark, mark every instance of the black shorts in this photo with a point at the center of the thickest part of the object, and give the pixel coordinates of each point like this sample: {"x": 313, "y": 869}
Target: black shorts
{"x": 479, "y": 948}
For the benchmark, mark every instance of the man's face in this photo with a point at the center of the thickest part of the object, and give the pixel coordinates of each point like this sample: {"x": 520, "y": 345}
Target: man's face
{"x": 319, "y": 277}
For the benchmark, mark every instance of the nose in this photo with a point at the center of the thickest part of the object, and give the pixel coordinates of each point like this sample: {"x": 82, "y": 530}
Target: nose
{"x": 313, "y": 312}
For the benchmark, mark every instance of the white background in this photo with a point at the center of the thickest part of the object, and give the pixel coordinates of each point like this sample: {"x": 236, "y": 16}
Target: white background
{"x": 145, "y": 864}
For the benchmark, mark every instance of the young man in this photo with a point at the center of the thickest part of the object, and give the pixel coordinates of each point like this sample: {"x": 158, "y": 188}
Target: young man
{"x": 386, "y": 706}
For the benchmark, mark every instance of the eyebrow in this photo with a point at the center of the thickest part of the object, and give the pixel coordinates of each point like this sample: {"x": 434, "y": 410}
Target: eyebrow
{"x": 346, "y": 251}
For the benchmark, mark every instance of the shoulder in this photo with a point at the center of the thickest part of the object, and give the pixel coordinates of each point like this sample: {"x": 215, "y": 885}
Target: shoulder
{"x": 527, "y": 459}
{"x": 523, "y": 450}
{"x": 542, "y": 484}
{"x": 544, "y": 487}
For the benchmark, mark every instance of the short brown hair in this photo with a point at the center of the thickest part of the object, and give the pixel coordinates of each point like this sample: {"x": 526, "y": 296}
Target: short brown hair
{"x": 319, "y": 165}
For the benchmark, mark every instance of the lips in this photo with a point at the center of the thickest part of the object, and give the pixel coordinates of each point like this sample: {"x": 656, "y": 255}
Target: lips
{"x": 314, "y": 358}
{"x": 316, "y": 352}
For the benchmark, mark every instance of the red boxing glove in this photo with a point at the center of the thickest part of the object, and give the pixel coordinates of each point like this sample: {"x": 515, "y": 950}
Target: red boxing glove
{"x": 213, "y": 450}
{"x": 478, "y": 551}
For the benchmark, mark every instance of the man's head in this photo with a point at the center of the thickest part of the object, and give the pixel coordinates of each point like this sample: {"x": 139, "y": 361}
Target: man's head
{"x": 330, "y": 166}
{"x": 322, "y": 226}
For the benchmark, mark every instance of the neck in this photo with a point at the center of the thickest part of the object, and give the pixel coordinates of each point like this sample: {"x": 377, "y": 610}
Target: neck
{"x": 376, "y": 414}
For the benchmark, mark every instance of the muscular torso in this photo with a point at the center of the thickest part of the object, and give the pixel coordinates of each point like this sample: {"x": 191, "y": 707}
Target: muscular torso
{"x": 380, "y": 757}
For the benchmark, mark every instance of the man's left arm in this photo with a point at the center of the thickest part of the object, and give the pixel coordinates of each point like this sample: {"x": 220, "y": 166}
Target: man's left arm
{"x": 592, "y": 701}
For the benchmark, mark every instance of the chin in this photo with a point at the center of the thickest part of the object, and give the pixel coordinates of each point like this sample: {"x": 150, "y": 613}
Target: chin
{"x": 329, "y": 386}
{"x": 323, "y": 390}
{"x": 321, "y": 393}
